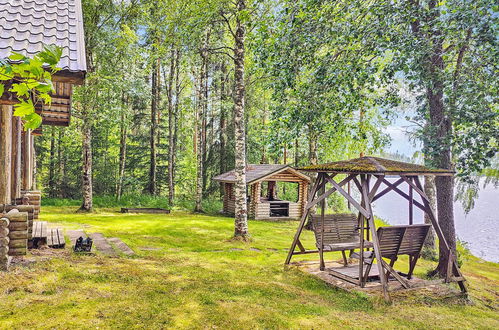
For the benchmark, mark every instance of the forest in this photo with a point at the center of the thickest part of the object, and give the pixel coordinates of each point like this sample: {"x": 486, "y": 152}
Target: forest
{"x": 314, "y": 81}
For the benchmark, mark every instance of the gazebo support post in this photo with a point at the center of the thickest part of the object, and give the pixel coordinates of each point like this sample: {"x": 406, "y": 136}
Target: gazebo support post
{"x": 312, "y": 201}
{"x": 377, "y": 251}
{"x": 452, "y": 267}
{"x": 362, "y": 279}
{"x": 323, "y": 210}
{"x": 411, "y": 205}
{"x": 296, "y": 239}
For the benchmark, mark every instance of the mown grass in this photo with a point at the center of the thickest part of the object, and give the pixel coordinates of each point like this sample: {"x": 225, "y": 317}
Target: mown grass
{"x": 189, "y": 274}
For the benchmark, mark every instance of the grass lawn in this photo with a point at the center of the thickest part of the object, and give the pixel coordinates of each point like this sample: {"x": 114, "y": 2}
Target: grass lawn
{"x": 188, "y": 274}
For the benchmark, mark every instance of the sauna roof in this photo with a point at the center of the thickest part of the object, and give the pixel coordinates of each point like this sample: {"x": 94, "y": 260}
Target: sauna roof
{"x": 258, "y": 172}
{"x": 375, "y": 165}
{"x": 27, "y": 25}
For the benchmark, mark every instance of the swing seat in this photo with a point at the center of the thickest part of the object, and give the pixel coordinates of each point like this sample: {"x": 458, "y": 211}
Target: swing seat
{"x": 341, "y": 232}
{"x": 400, "y": 240}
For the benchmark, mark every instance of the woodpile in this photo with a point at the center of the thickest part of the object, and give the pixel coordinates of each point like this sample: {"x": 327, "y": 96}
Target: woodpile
{"x": 31, "y": 197}
{"x": 4, "y": 243}
{"x": 30, "y": 209}
{"x": 18, "y": 232}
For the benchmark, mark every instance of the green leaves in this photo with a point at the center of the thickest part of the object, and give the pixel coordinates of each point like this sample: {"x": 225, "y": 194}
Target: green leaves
{"x": 50, "y": 55}
{"x": 20, "y": 89}
{"x": 30, "y": 81}
{"x": 32, "y": 121}
{"x": 24, "y": 108}
{"x": 17, "y": 57}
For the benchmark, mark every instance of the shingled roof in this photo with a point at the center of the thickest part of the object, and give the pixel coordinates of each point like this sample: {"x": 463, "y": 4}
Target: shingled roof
{"x": 27, "y": 25}
{"x": 255, "y": 172}
{"x": 375, "y": 165}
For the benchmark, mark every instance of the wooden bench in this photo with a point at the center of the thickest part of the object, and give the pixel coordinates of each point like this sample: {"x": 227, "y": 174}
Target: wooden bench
{"x": 40, "y": 233}
{"x": 55, "y": 238}
{"x": 400, "y": 240}
{"x": 340, "y": 232}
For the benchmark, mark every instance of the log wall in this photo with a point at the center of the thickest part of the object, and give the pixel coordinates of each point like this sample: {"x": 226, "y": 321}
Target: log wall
{"x": 16, "y": 158}
{"x": 4, "y": 243}
{"x": 229, "y": 204}
{"x": 5, "y": 154}
{"x": 18, "y": 232}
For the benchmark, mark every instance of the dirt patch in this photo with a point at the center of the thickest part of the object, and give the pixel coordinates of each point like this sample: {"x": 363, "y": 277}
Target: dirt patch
{"x": 432, "y": 289}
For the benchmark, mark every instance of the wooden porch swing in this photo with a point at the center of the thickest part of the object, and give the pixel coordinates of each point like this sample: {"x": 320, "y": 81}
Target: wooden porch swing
{"x": 348, "y": 232}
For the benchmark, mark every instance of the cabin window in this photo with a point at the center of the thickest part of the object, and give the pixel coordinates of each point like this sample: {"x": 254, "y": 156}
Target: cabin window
{"x": 288, "y": 191}
{"x": 285, "y": 191}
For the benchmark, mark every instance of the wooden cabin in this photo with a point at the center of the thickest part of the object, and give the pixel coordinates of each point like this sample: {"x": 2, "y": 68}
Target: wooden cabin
{"x": 25, "y": 27}
{"x": 274, "y": 191}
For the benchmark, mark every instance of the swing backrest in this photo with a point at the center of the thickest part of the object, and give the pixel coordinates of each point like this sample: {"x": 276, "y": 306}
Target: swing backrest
{"x": 338, "y": 228}
{"x": 399, "y": 240}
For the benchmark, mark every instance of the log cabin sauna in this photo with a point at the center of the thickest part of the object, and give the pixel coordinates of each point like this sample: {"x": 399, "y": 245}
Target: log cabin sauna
{"x": 274, "y": 191}
{"x": 25, "y": 27}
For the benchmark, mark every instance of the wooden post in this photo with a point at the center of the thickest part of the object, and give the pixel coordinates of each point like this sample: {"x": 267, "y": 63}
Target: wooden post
{"x": 304, "y": 216}
{"x": 5, "y": 154}
{"x": 32, "y": 169}
{"x": 361, "y": 249}
{"x": 377, "y": 251}
{"x": 350, "y": 193}
{"x": 16, "y": 158}
{"x": 26, "y": 160}
{"x": 452, "y": 266}
{"x": 323, "y": 210}
{"x": 411, "y": 204}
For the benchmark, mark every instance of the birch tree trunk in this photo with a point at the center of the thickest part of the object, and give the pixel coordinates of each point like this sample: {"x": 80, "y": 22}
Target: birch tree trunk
{"x": 223, "y": 123}
{"x": 201, "y": 122}
{"x": 122, "y": 162}
{"x": 52, "y": 189}
{"x": 87, "y": 204}
{"x": 171, "y": 123}
{"x": 178, "y": 91}
{"x": 241, "y": 207}
{"x": 154, "y": 126}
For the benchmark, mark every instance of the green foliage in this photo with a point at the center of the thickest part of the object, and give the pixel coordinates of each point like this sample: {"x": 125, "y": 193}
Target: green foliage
{"x": 323, "y": 75}
{"x": 138, "y": 200}
{"x": 464, "y": 34}
{"x": 210, "y": 205}
{"x": 31, "y": 80}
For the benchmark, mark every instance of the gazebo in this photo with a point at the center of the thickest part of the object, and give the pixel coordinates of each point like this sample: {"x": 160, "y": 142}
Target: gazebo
{"x": 262, "y": 181}
{"x": 369, "y": 175}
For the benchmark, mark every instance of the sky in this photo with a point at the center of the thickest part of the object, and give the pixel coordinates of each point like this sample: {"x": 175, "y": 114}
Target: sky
{"x": 400, "y": 139}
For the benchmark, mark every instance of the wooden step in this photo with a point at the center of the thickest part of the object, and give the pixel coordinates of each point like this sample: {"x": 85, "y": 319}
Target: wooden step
{"x": 40, "y": 233}
{"x": 55, "y": 238}
{"x": 102, "y": 245}
{"x": 120, "y": 245}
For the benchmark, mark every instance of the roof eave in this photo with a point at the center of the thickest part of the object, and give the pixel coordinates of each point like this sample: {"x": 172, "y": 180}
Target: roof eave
{"x": 68, "y": 76}
{"x": 398, "y": 173}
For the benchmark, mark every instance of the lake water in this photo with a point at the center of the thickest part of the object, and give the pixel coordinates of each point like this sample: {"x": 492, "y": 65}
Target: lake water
{"x": 479, "y": 228}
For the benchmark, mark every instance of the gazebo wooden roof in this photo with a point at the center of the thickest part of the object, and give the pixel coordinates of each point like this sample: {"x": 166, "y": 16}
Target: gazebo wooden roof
{"x": 375, "y": 165}
{"x": 369, "y": 174}
{"x": 258, "y": 172}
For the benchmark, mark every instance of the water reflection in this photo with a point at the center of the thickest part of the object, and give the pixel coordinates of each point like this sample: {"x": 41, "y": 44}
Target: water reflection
{"x": 479, "y": 228}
